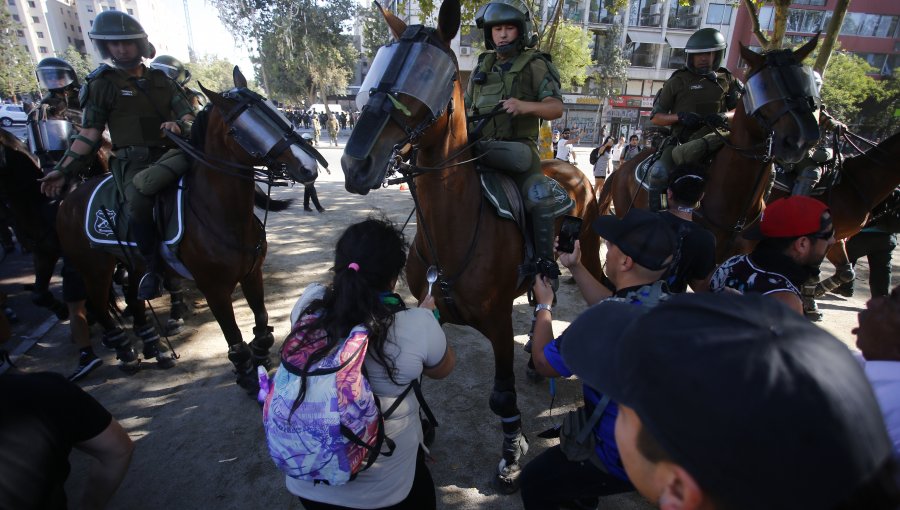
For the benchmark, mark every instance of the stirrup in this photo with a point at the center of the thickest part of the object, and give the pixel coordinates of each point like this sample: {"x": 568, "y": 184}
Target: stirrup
{"x": 150, "y": 287}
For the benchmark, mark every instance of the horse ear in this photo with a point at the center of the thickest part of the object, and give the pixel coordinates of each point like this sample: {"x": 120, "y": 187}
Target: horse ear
{"x": 751, "y": 57}
{"x": 213, "y": 96}
{"x": 802, "y": 52}
{"x": 239, "y": 80}
{"x": 396, "y": 24}
{"x": 448, "y": 20}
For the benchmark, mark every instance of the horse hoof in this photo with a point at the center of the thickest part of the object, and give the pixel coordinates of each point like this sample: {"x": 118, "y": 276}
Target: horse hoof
{"x": 533, "y": 376}
{"x": 174, "y": 326}
{"x": 506, "y": 480}
{"x": 130, "y": 367}
{"x": 165, "y": 361}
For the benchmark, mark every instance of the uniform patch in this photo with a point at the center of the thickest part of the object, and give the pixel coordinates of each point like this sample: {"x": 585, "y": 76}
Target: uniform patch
{"x": 126, "y": 92}
{"x": 695, "y": 86}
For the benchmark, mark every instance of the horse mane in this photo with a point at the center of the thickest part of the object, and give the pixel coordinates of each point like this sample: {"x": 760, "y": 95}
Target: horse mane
{"x": 198, "y": 130}
{"x": 10, "y": 141}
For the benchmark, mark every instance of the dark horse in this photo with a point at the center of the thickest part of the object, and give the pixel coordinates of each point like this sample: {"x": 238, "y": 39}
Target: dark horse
{"x": 34, "y": 213}
{"x": 782, "y": 129}
{"x": 476, "y": 252}
{"x": 866, "y": 180}
{"x": 223, "y": 242}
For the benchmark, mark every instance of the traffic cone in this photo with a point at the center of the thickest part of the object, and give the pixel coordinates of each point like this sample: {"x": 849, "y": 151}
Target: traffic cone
{"x": 404, "y": 186}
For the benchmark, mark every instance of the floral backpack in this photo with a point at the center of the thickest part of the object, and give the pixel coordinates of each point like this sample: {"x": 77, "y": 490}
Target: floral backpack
{"x": 338, "y": 429}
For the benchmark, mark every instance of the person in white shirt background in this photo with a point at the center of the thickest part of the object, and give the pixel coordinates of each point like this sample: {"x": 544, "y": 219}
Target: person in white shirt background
{"x": 617, "y": 154}
{"x": 565, "y": 146}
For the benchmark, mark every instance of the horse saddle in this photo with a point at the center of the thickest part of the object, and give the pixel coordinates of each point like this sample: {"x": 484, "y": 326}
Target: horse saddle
{"x": 501, "y": 191}
{"x": 784, "y": 181}
{"x": 107, "y": 227}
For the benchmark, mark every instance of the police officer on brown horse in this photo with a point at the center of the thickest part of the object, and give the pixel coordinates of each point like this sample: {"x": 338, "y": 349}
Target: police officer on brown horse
{"x": 58, "y": 114}
{"x": 137, "y": 104}
{"x": 694, "y": 97}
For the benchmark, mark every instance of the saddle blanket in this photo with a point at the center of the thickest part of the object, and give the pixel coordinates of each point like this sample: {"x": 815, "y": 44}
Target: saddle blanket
{"x": 106, "y": 222}
{"x": 498, "y": 189}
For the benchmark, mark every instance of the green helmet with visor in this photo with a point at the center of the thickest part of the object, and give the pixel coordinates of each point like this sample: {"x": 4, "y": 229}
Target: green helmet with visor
{"x": 118, "y": 26}
{"x": 506, "y": 12}
{"x": 173, "y": 68}
{"x": 55, "y": 74}
{"x": 706, "y": 40}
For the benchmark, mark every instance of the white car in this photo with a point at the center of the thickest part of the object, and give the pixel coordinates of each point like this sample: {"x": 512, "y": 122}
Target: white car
{"x": 10, "y": 113}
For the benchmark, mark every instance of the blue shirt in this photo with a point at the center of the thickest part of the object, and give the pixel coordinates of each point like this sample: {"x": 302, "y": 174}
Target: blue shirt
{"x": 604, "y": 431}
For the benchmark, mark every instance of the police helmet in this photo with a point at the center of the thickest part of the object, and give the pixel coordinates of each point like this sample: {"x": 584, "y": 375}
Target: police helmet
{"x": 118, "y": 26}
{"x": 173, "y": 68}
{"x": 506, "y": 12}
{"x": 56, "y": 74}
{"x": 706, "y": 40}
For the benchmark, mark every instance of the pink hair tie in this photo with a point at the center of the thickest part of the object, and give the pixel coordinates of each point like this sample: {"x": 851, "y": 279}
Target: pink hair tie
{"x": 354, "y": 266}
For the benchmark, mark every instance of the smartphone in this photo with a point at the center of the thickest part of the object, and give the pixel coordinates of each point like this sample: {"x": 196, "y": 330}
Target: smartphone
{"x": 569, "y": 231}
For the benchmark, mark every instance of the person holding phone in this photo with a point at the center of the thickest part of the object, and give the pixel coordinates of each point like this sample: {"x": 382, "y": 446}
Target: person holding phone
{"x": 565, "y": 146}
{"x": 603, "y": 164}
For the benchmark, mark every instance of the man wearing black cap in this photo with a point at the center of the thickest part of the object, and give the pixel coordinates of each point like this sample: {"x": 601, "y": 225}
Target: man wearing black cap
{"x": 729, "y": 401}
{"x": 586, "y": 465}
{"x": 795, "y": 234}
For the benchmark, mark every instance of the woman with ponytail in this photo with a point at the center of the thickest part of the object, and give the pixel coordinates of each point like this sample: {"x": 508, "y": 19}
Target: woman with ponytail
{"x": 403, "y": 344}
{"x": 695, "y": 252}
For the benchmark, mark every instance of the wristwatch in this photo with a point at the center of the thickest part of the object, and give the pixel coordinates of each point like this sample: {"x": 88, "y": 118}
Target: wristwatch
{"x": 542, "y": 306}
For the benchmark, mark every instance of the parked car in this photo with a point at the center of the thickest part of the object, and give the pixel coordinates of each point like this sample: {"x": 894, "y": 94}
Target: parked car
{"x": 10, "y": 113}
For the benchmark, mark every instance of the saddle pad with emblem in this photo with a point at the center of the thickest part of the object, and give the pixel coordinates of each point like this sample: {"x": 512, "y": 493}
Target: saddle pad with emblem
{"x": 107, "y": 223}
{"x": 503, "y": 194}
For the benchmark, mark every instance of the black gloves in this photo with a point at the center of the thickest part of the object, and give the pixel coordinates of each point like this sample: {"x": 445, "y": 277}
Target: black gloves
{"x": 689, "y": 120}
{"x": 716, "y": 120}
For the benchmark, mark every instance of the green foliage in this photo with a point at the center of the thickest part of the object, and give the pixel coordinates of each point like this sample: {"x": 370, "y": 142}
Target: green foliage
{"x": 882, "y": 114}
{"x": 214, "y": 73}
{"x": 83, "y": 64}
{"x": 16, "y": 67}
{"x": 375, "y": 33}
{"x": 571, "y": 53}
{"x": 302, "y": 48}
{"x": 611, "y": 71}
{"x": 847, "y": 85}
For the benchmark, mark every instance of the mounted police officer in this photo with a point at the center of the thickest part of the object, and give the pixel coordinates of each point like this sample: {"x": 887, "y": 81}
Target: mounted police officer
{"x": 175, "y": 70}
{"x": 694, "y": 97}
{"x": 137, "y": 104}
{"x": 58, "y": 114}
{"x": 524, "y": 86}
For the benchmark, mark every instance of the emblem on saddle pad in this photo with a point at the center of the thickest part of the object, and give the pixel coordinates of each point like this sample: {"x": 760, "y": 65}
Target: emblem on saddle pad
{"x": 103, "y": 226}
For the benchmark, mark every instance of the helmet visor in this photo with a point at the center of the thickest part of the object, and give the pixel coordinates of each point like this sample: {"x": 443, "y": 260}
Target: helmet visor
{"x": 427, "y": 74}
{"x": 778, "y": 84}
{"x": 52, "y": 78}
{"x": 171, "y": 71}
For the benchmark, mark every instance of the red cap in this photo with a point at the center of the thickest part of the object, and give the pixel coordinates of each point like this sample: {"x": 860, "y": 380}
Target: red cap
{"x": 793, "y": 216}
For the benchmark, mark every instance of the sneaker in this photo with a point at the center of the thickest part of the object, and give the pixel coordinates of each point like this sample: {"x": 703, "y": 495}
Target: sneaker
{"x": 87, "y": 362}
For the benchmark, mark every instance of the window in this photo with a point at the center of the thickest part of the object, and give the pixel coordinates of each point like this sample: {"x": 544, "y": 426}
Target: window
{"x": 42, "y": 49}
{"x": 599, "y": 14}
{"x": 645, "y": 13}
{"x": 35, "y": 19}
{"x": 16, "y": 17}
{"x": 718, "y": 14}
{"x": 633, "y": 87}
{"x": 92, "y": 22}
{"x": 766, "y": 17}
{"x": 90, "y": 9}
{"x": 40, "y": 35}
{"x": 69, "y": 39}
{"x": 643, "y": 54}
{"x": 31, "y": 4}
{"x": 820, "y": 3}
{"x": 852, "y": 22}
{"x": 11, "y": 2}
{"x": 684, "y": 16}
{"x": 804, "y": 21}
{"x": 673, "y": 58}
{"x": 79, "y": 30}
{"x": 130, "y": 11}
{"x": 876, "y": 60}
{"x": 20, "y": 33}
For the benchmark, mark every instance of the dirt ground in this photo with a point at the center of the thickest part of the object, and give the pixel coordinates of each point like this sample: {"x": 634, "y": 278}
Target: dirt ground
{"x": 199, "y": 440}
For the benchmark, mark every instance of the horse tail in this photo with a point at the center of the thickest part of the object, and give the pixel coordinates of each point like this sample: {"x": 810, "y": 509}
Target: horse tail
{"x": 264, "y": 201}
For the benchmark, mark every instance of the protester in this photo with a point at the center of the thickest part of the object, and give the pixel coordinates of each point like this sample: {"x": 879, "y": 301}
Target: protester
{"x": 42, "y": 417}
{"x": 796, "y": 233}
{"x": 878, "y": 338}
{"x": 602, "y": 163}
{"x": 632, "y": 149}
{"x": 578, "y": 470}
{"x": 565, "y": 145}
{"x": 403, "y": 344}
{"x": 734, "y": 402}
{"x": 695, "y": 255}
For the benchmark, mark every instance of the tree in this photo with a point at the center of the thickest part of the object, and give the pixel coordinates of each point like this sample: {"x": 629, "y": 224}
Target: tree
{"x": 611, "y": 71}
{"x": 375, "y": 33}
{"x": 83, "y": 64}
{"x": 214, "y": 73}
{"x": 848, "y": 86}
{"x": 570, "y": 52}
{"x": 16, "y": 67}
{"x": 880, "y": 116}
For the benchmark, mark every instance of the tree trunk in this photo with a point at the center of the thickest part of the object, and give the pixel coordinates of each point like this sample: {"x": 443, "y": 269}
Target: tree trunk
{"x": 833, "y": 30}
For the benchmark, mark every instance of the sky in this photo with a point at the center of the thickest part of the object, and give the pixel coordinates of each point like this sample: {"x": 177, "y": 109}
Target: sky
{"x": 211, "y": 37}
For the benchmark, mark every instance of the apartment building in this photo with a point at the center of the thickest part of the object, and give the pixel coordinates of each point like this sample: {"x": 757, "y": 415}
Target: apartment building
{"x": 48, "y": 27}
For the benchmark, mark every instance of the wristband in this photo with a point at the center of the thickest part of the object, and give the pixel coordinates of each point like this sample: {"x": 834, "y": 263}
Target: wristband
{"x": 542, "y": 306}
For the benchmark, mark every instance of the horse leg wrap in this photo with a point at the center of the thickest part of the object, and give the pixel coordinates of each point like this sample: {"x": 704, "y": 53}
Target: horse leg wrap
{"x": 515, "y": 445}
{"x": 259, "y": 347}
{"x": 242, "y": 359}
{"x": 843, "y": 275}
{"x": 178, "y": 309}
{"x": 118, "y": 340}
{"x": 152, "y": 349}
{"x": 503, "y": 404}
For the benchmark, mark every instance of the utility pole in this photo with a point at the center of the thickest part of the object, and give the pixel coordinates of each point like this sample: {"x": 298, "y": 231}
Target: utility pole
{"x": 192, "y": 55}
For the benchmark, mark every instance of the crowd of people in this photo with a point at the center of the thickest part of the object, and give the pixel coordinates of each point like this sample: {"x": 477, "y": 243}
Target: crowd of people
{"x": 725, "y": 397}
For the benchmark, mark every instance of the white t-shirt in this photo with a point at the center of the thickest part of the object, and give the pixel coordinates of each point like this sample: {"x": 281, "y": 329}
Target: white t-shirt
{"x": 563, "y": 148}
{"x": 416, "y": 341}
{"x": 617, "y": 151}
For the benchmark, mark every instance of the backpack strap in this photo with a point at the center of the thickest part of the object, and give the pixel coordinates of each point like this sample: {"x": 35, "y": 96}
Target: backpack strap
{"x": 593, "y": 420}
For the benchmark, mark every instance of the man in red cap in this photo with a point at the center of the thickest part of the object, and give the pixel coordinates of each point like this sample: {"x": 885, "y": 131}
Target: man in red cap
{"x": 795, "y": 233}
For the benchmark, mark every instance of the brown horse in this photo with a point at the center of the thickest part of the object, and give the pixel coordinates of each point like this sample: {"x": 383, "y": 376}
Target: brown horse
{"x": 476, "y": 251}
{"x": 740, "y": 170}
{"x": 34, "y": 214}
{"x": 866, "y": 180}
{"x": 223, "y": 242}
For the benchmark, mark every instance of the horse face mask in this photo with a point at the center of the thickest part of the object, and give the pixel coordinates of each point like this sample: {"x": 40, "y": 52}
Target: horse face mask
{"x": 788, "y": 83}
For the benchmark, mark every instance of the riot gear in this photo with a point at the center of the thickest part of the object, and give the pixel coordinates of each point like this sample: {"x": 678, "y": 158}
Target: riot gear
{"x": 55, "y": 74}
{"x": 706, "y": 40}
{"x": 118, "y": 26}
{"x": 507, "y": 12}
{"x": 173, "y": 68}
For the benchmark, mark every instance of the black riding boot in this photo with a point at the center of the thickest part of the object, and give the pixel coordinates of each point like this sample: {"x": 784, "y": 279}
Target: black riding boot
{"x": 147, "y": 240}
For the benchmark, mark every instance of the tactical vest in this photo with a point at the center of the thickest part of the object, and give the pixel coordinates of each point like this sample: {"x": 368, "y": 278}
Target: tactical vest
{"x": 141, "y": 105}
{"x": 504, "y": 85}
{"x": 700, "y": 95}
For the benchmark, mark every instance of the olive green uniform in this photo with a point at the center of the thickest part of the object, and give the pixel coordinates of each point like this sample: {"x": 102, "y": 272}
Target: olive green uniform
{"x": 529, "y": 76}
{"x": 133, "y": 109}
{"x": 333, "y": 128}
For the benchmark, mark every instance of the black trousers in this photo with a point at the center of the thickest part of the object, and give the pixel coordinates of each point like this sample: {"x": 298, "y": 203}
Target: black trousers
{"x": 550, "y": 479}
{"x": 877, "y": 248}
{"x": 309, "y": 192}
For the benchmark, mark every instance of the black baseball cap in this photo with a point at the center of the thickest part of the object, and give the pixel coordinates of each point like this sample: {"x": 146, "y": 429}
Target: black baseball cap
{"x": 642, "y": 235}
{"x": 763, "y": 408}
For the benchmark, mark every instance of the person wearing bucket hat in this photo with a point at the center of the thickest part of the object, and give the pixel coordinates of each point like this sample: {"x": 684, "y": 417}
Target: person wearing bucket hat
{"x": 586, "y": 464}
{"x": 729, "y": 401}
{"x": 794, "y": 233}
